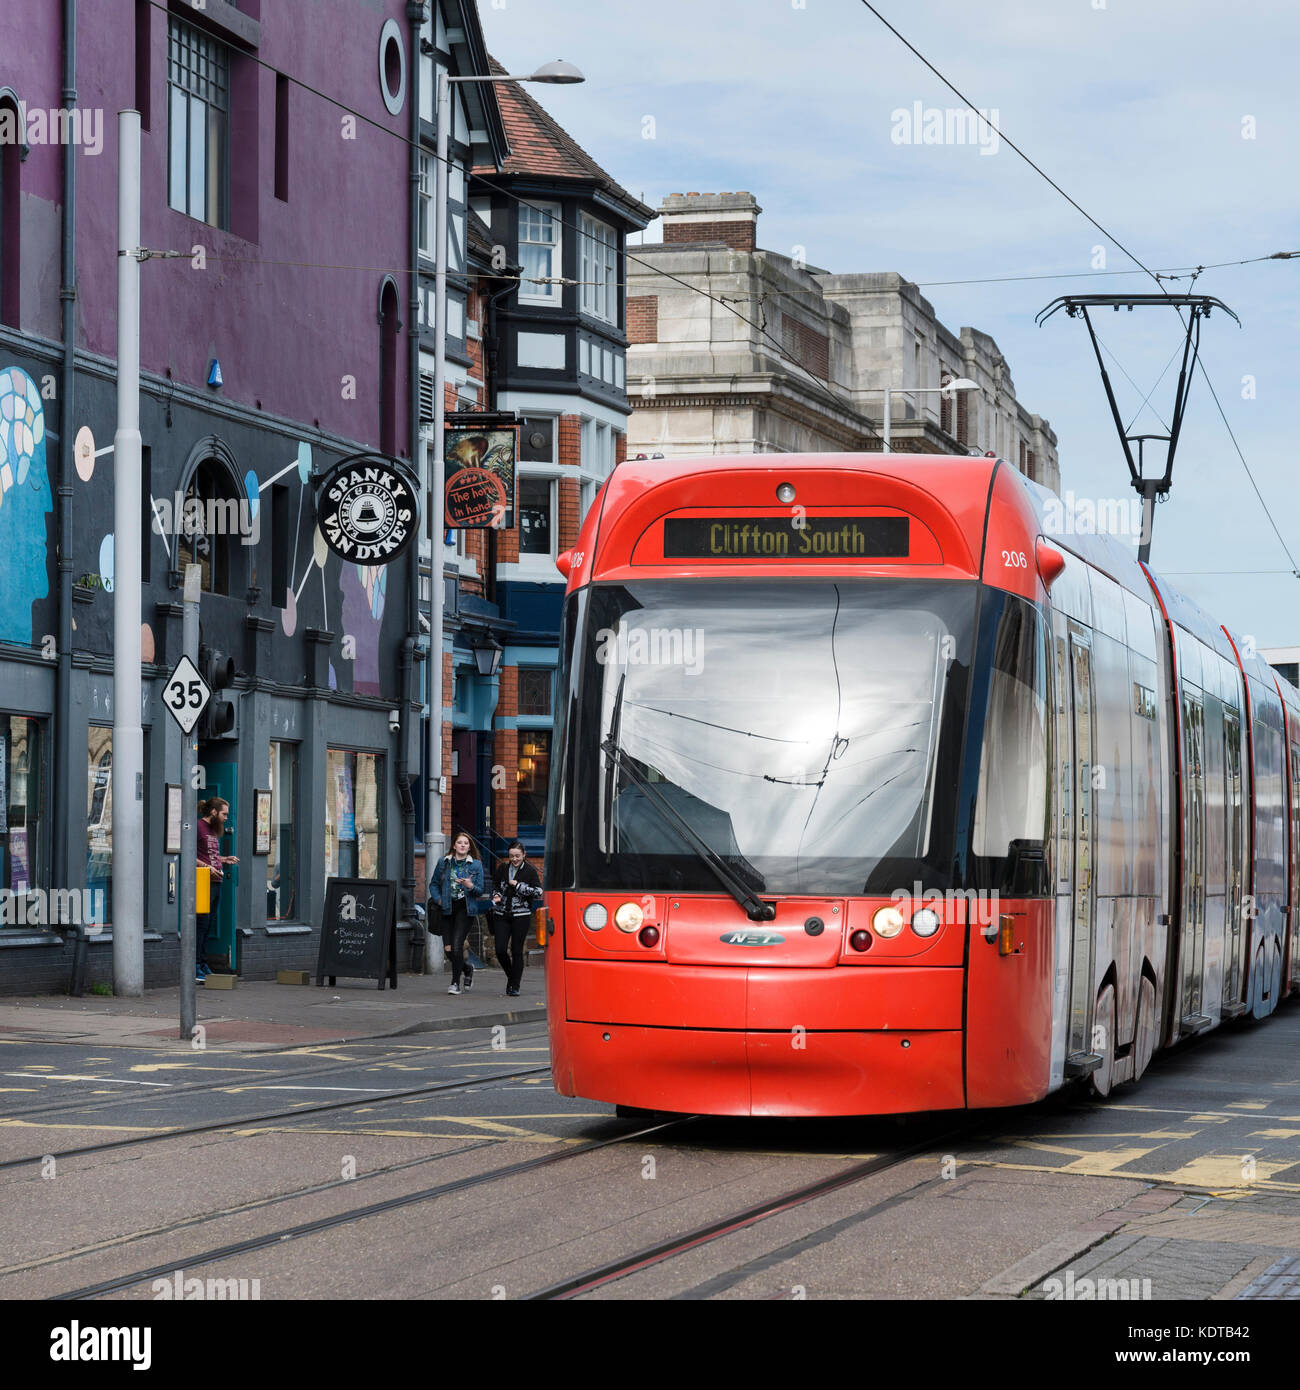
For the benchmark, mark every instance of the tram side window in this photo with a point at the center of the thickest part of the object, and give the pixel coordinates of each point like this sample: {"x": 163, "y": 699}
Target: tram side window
{"x": 1011, "y": 810}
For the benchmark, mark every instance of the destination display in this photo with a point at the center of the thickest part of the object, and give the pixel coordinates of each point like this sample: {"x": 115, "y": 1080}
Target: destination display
{"x": 786, "y": 538}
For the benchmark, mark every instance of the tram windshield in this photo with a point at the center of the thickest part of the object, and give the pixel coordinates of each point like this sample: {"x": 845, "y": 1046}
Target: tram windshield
{"x": 807, "y": 732}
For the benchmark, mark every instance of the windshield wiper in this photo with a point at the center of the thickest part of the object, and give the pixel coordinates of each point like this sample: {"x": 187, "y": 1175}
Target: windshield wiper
{"x": 755, "y": 908}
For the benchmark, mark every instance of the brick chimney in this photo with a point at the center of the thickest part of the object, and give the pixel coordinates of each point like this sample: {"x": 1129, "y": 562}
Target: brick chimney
{"x": 729, "y": 218}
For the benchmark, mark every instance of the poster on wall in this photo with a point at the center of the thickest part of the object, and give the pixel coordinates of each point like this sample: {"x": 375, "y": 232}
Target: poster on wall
{"x": 344, "y": 817}
{"x": 262, "y": 842}
{"x": 19, "y": 876}
{"x": 480, "y": 459}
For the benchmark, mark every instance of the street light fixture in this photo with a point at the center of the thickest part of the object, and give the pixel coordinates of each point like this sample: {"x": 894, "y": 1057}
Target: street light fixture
{"x": 962, "y": 383}
{"x": 487, "y": 655}
{"x": 556, "y": 73}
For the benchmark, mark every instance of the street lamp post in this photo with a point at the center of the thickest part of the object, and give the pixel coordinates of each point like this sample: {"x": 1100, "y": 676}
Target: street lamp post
{"x": 961, "y": 384}
{"x": 559, "y": 73}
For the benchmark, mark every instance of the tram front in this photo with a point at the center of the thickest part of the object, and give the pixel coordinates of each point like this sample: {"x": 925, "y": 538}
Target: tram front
{"x": 772, "y": 828}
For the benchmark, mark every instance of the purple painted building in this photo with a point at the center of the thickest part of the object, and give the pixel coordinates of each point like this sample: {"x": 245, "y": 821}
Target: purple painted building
{"x": 277, "y": 161}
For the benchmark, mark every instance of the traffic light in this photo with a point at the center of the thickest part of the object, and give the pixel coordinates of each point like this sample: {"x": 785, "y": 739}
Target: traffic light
{"x": 218, "y": 670}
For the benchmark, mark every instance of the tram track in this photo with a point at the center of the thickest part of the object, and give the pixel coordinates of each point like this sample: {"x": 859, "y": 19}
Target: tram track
{"x": 607, "y": 1273}
{"x": 326, "y": 1223}
{"x": 244, "y": 1121}
{"x": 571, "y": 1287}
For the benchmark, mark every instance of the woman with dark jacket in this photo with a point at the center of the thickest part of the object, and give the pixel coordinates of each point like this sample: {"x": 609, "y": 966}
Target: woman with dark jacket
{"x": 517, "y": 895}
{"x": 457, "y": 887}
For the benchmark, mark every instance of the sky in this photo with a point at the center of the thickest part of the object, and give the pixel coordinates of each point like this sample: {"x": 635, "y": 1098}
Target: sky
{"x": 1173, "y": 123}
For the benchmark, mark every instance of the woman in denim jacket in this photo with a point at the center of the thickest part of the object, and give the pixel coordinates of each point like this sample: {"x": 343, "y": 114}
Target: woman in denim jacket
{"x": 458, "y": 888}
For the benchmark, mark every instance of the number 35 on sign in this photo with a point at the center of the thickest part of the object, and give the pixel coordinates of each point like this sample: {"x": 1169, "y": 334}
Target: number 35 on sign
{"x": 186, "y": 694}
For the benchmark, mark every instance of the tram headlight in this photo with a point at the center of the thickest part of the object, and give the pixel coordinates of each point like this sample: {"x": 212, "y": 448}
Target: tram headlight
{"x": 785, "y": 492}
{"x": 629, "y": 917}
{"x": 595, "y": 915}
{"x": 925, "y": 922}
{"x": 887, "y": 922}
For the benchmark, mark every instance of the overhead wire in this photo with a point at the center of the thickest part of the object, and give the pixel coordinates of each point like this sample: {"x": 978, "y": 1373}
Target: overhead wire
{"x": 1279, "y": 255}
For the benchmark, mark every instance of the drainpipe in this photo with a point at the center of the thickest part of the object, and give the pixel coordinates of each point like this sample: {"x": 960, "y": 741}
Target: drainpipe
{"x": 63, "y": 764}
{"x": 417, "y": 14}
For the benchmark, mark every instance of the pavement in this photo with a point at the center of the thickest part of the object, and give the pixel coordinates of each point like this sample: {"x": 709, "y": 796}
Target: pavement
{"x": 263, "y": 1016}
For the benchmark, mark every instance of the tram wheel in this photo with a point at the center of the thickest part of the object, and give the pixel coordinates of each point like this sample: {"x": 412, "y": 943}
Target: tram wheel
{"x": 1144, "y": 1043}
{"x": 1103, "y": 1031}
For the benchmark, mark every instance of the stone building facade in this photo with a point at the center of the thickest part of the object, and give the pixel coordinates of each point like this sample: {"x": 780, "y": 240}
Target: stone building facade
{"x": 751, "y": 351}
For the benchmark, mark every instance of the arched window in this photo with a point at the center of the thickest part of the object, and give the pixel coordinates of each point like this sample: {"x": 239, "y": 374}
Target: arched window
{"x": 214, "y": 521}
{"x": 12, "y": 149}
{"x": 389, "y": 324}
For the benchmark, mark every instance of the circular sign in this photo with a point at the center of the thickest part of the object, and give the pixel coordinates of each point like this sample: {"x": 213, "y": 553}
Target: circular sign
{"x": 368, "y": 510}
{"x": 473, "y": 497}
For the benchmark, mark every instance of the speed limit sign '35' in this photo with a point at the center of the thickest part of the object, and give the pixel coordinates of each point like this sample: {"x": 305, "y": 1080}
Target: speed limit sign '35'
{"x": 186, "y": 694}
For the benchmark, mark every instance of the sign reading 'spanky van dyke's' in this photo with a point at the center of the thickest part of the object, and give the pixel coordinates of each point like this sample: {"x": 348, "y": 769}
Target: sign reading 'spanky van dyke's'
{"x": 367, "y": 509}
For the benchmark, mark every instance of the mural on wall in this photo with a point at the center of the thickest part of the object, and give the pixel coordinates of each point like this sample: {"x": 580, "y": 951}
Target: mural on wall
{"x": 25, "y": 501}
{"x": 356, "y": 593}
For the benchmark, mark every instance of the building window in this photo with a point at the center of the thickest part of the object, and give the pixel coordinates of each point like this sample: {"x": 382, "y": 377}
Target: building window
{"x": 534, "y": 772}
{"x": 536, "y": 516}
{"x": 539, "y": 253}
{"x": 20, "y": 806}
{"x": 282, "y": 862}
{"x": 352, "y": 813}
{"x": 99, "y": 817}
{"x": 426, "y": 205}
{"x": 198, "y": 104}
{"x": 535, "y": 691}
{"x": 10, "y": 213}
{"x": 212, "y": 524}
{"x": 599, "y": 270}
{"x": 599, "y": 444}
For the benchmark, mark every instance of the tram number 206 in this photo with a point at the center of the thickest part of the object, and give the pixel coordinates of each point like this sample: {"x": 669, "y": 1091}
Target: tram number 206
{"x": 1015, "y": 559}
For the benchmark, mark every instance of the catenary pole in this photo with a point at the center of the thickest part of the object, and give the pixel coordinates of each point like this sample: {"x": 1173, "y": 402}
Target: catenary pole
{"x": 189, "y": 814}
{"x": 128, "y": 737}
{"x": 433, "y": 813}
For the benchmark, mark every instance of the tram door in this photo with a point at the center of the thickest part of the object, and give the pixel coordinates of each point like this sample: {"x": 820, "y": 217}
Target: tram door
{"x": 1079, "y": 809}
{"x": 1191, "y": 951}
{"x": 1237, "y": 848}
{"x": 1292, "y": 963}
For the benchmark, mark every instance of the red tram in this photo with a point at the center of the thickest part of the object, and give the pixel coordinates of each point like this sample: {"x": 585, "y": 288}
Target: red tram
{"x": 873, "y": 795}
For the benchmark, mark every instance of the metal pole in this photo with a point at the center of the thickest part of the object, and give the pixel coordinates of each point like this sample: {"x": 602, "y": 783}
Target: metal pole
{"x": 189, "y": 814}
{"x": 433, "y": 811}
{"x": 128, "y": 737}
{"x": 885, "y": 446}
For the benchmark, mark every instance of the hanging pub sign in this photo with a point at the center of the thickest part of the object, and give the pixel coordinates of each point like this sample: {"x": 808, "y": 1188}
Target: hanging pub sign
{"x": 367, "y": 509}
{"x": 480, "y": 452}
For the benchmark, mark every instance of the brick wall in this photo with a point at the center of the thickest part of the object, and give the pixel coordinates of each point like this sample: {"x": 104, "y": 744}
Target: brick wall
{"x": 643, "y": 318}
{"x": 570, "y": 440}
{"x": 620, "y": 447}
{"x": 740, "y": 236}
{"x": 505, "y": 755}
{"x": 570, "y": 499}
{"x": 448, "y": 697}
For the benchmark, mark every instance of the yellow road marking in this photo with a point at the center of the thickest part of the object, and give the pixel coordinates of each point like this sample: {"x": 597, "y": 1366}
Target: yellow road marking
{"x": 1178, "y": 1178}
{"x": 1247, "y": 1105}
{"x": 132, "y": 1129}
{"x": 193, "y": 1066}
{"x": 1274, "y": 1134}
{"x": 1194, "y": 1114}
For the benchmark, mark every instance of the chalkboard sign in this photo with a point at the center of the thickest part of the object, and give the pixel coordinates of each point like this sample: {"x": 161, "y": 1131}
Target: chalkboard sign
{"x": 358, "y": 935}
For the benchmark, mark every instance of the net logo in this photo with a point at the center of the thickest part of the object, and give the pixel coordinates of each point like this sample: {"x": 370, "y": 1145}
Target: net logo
{"x": 751, "y": 938}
